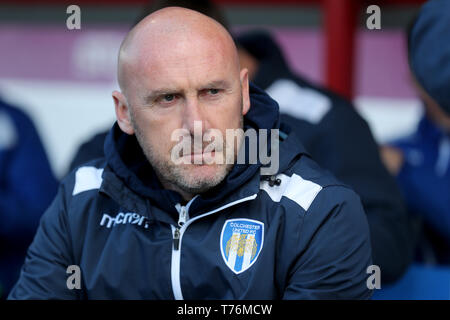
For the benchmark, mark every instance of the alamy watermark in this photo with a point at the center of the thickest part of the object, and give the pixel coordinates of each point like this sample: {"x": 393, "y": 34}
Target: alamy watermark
{"x": 373, "y": 22}
{"x": 74, "y": 280}
{"x": 374, "y": 280}
{"x": 73, "y": 22}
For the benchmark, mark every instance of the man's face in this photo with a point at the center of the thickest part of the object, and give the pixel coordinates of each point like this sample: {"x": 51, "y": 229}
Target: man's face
{"x": 194, "y": 88}
{"x": 434, "y": 111}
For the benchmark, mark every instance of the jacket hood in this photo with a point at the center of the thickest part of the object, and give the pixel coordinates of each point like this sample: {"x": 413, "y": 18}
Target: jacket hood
{"x": 429, "y": 51}
{"x": 126, "y": 159}
{"x": 262, "y": 46}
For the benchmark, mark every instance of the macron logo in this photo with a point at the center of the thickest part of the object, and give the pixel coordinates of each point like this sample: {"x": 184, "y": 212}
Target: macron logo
{"x": 124, "y": 218}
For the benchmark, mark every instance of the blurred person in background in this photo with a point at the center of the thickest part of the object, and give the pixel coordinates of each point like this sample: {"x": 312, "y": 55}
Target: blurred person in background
{"x": 340, "y": 141}
{"x": 421, "y": 161}
{"x": 330, "y": 129}
{"x": 27, "y": 186}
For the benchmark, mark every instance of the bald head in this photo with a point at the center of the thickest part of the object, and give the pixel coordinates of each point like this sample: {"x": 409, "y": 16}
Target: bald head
{"x": 179, "y": 69}
{"x": 165, "y": 34}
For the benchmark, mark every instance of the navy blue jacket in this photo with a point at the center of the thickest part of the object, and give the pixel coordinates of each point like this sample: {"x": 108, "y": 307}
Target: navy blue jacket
{"x": 304, "y": 236}
{"x": 339, "y": 140}
{"x": 27, "y": 186}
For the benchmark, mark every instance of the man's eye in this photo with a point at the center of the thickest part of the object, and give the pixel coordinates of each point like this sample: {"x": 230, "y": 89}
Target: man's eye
{"x": 213, "y": 91}
{"x": 169, "y": 97}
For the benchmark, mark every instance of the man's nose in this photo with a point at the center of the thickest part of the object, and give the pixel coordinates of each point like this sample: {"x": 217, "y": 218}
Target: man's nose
{"x": 194, "y": 116}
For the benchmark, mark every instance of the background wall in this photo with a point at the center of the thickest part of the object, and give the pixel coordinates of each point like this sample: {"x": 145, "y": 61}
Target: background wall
{"x": 64, "y": 78}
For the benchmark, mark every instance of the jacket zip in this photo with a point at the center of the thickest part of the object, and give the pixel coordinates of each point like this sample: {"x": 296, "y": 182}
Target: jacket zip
{"x": 183, "y": 212}
{"x": 178, "y": 231}
{"x": 176, "y": 239}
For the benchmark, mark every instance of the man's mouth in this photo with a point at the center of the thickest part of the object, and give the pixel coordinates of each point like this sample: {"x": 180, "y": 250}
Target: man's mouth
{"x": 203, "y": 154}
{"x": 200, "y": 157}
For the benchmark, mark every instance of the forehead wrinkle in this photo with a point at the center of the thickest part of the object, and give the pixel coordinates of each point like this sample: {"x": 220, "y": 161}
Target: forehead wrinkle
{"x": 154, "y": 38}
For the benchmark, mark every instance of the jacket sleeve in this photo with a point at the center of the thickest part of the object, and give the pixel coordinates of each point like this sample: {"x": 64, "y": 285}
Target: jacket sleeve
{"x": 334, "y": 249}
{"x": 43, "y": 275}
{"x": 356, "y": 162}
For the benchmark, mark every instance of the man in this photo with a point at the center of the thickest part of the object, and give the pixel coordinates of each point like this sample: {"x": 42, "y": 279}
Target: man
{"x": 421, "y": 161}
{"x": 27, "y": 186}
{"x": 331, "y": 130}
{"x": 340, "y": 141}
{"x": 144, "y": 226}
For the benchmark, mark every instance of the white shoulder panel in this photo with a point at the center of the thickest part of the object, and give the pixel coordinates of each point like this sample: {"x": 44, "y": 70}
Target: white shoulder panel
{"x": 298, "y": 102}
{"x": 301, "y": 191}
{"x": 87, "y": 178}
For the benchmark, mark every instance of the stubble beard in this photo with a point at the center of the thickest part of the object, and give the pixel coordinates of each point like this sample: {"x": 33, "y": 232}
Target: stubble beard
{"x": 181, "y": 176}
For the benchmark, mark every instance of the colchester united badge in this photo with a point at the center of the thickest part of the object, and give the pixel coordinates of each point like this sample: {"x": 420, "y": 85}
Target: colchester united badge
{"x": 241, "y": 242}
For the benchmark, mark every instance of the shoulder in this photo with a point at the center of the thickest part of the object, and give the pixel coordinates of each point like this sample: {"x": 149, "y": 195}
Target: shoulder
{"x": 299, "y": 101}
{"x": 321, "y": 216}
{"x": 8, "y": 130}
{"x": 312, "y": 103}
{"x": 15, "y": 125}
{"x": 86, "y": 177}
{"x": 306, "y": 188}
{"x": 82, "y": 185}
{"x": 17, "y": 117}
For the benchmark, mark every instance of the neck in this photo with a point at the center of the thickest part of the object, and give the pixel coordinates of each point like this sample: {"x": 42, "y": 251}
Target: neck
{"x": 170, "y": 186}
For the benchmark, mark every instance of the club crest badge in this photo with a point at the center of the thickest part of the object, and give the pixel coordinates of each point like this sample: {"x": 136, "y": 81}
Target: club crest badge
{"x": 241, "y": 242}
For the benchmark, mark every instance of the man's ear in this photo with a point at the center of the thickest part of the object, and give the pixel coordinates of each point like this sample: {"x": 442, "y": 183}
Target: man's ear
{"x": 245, "y": 91}
{"x": 122, "y": 112}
